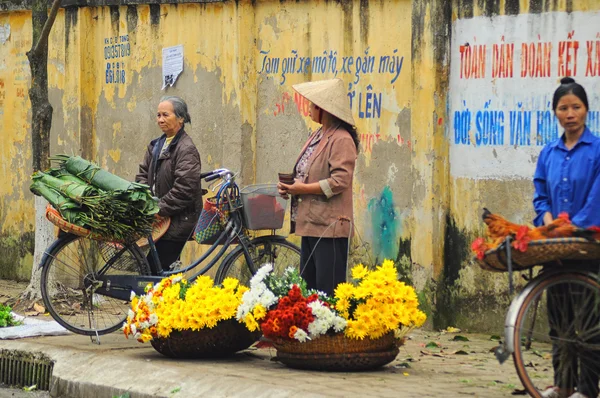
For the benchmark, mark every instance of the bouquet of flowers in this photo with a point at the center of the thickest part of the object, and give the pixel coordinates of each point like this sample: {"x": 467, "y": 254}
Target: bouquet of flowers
{"x": 378, "y": 303}
{"x": 175, "y": 304}
{"x": 285, "y": 309}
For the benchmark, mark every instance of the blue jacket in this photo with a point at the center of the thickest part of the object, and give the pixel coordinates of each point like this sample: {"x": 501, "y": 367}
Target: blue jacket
{"x": 569, "y": 181}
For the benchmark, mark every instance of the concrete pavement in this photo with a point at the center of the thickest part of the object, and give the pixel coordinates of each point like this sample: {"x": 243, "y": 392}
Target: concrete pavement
{"x": 120, "y": 366}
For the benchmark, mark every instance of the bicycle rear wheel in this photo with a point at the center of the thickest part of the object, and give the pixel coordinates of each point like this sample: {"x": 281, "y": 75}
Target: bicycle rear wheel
{"x": 68, "y": 283}
{"x": 557, "y": 334}
{"x": 265, "y": 249}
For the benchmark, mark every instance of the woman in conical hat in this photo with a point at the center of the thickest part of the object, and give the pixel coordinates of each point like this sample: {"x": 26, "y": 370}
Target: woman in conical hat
{"x": 322, "y": 188}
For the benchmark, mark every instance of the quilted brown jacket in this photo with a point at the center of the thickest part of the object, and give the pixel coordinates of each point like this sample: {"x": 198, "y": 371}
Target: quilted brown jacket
{"x": 175, "y": 180}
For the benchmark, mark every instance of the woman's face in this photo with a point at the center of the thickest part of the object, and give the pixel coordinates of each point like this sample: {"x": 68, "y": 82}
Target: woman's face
{"x": 314, "y": 112}
{"x": 168, "y": 122}
{"x": 571, "y": 113}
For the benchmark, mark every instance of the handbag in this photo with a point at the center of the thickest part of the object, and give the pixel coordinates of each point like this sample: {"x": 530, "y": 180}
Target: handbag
{"x": 211, "y": 221}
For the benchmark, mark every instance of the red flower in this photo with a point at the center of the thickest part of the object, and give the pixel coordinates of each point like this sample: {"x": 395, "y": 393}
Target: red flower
{"x": 565, "y": 216}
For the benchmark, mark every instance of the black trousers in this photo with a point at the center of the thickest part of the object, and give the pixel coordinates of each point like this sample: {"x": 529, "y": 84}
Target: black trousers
{"x": 326, "y": 267}
{"x": 568, "y": 305}
{"x": 168, "y": 252}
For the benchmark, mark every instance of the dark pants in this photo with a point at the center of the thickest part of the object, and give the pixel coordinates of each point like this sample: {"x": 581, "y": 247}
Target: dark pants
{"x": 572, "y": 307}
{"x": 168, "y": 252}
{"x": 326, "y": 267}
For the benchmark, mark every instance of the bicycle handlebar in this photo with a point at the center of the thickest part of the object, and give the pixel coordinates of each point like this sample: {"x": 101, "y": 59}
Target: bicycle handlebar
{"x": 218, "y": 173}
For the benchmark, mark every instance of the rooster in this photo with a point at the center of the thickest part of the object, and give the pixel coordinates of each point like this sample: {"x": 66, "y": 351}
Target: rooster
{"x": 560, "y": 227}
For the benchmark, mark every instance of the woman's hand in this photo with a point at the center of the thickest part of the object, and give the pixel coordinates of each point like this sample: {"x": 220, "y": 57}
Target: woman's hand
{"x": 548, "y": 218}
{"x": 283, "y": 191}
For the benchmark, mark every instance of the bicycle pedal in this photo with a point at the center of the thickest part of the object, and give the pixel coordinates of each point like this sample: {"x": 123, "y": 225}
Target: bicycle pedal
{"x": 501, "y": 354}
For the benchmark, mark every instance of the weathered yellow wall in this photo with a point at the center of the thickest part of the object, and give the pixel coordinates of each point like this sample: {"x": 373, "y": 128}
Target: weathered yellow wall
{"x": 241, "y": 59}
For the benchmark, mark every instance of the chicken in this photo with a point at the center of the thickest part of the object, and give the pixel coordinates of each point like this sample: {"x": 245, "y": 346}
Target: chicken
{"x": 498, "y": 227}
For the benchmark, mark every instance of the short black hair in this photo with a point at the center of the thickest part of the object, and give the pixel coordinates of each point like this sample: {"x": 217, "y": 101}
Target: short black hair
{"x": 569, "y": 86}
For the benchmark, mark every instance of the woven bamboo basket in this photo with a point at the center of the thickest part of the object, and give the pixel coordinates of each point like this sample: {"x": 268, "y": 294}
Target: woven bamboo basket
{"x": 159, "y": 228}
{"x": 336, "y": 344}
{"x": 540, "y": 252}
{"x": 338, "y": 352}
{"x": 225, "y": 339}
{"x": 339, "y": 362}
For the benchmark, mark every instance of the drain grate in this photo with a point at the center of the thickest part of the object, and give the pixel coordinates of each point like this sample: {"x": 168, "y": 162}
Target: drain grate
{"x": 24, "y": 369}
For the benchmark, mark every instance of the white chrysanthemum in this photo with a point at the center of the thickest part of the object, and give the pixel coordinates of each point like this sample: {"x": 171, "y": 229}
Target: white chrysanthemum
{"x": 130, "y": 314}
{"x": 301, "y": 336}
{"x": 261, "y": 274}
{"x": 153, "y": 319}
{"x": 132, "y": 295}
{"x": 339, "y": 324}
{"x": 137, "y": 335}
{"x": 133, "y": 329}
{"x": 144, "y": 325}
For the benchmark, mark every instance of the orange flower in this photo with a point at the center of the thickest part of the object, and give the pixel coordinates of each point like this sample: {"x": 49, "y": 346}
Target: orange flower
{"x": 479, "y": 247}
{"x": 292, "y": 332}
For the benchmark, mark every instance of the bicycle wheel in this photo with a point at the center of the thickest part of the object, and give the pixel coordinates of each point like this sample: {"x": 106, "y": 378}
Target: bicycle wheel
{"x": 557, "y": 334}
{"x": 265, "y": 249}
{"x": 70, "y": 268}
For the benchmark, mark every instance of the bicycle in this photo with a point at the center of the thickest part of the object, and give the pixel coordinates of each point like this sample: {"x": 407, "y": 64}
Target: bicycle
{"x": 569, "y": 331}
{"x": 87, "y": 284}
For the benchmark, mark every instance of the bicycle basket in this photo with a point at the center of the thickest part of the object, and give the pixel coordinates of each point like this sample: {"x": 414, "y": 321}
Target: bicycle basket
{"x": 211, "y": 221}
{"x": 263, "y": 207}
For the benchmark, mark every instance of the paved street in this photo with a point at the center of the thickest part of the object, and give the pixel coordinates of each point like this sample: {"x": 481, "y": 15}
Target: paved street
{"x": 454, "y": 369}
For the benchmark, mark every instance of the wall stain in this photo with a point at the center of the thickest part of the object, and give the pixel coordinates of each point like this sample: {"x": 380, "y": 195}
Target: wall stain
{"x": 404, "y": 261}
{"x": 465, "y": 8}
{"x": 115, "y": 16}
{"x": 364, "y": 22}
{"x": 489, "y": 7}
{"x": 132, "y": 18}
{"x": 512, "y": 7}
{"x": 536, "y": 6}
{"x": 384, "y": 225}
{"x": 456, "y": 252}
{"x": 154, "y": 14}
{"x": 14, "y": 248}
{"x": 71, "y": 14}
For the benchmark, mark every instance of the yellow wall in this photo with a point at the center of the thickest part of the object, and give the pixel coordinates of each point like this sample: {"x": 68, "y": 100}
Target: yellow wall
{"x": 240, "y": 61}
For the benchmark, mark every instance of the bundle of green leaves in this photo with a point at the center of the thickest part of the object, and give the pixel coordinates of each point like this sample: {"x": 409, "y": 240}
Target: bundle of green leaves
{"x": 90, "y": 197}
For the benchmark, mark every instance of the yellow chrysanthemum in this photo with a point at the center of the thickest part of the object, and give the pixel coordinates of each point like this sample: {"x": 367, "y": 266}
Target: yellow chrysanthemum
{"x": 359, "y": 272}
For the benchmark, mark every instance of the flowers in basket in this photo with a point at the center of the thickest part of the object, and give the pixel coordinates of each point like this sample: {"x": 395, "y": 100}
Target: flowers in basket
{"x": 175, "y": 304}
{"x": 285, "y": 309}
{"x": 377, "y": 303}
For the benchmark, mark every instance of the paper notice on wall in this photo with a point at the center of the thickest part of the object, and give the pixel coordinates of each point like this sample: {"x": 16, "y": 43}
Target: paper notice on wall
{"x": 4, "y": 33}
{"x": 172, "y": 64}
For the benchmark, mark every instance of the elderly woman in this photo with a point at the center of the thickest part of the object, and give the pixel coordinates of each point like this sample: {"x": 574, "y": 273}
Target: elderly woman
{"x": 171, "y": 168}
{"x": 322, "y": 188}
{"x": 567, "y": 180}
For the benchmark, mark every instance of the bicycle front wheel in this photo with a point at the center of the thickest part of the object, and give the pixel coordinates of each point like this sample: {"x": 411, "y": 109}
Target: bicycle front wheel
{"x": 265, "y": 249}
{"x": 69, "y": 282}
{"x": 557, "y": 334}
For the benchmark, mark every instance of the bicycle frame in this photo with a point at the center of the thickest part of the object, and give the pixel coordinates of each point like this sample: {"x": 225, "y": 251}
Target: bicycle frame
{"x": 121, "y": 286}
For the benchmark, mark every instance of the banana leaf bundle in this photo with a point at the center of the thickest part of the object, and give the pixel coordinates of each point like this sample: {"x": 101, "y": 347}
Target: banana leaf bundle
{"x": 91, "y": 197}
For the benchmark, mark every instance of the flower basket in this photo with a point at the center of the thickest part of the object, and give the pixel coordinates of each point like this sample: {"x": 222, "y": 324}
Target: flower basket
{"x": 336, "y": 352}
{"x": 336, "y": 343}
{"x": 225, "y": 339}
{"x": 347, "y": 362}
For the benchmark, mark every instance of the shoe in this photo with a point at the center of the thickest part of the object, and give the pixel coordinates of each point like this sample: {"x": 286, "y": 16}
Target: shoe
{"x": 551, "y": 392}
{"x": 578, "y": 395}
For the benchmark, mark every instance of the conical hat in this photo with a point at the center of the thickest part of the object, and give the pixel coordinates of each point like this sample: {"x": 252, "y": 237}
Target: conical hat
{"x": 329, "y": 95}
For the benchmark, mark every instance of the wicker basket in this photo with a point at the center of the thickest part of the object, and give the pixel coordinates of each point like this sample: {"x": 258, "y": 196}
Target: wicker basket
{"x": 540, "y": 252}
{"x": 338, "y": 352}
{"x": 159, "y": 228}
{"x": 225, "y": 339}
{"x": 338, "y": 362}
{"x": 336, "y": 344}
